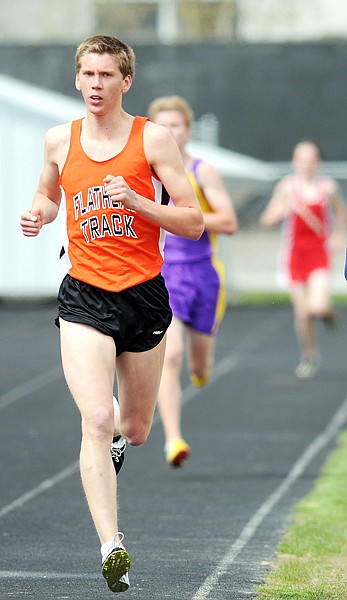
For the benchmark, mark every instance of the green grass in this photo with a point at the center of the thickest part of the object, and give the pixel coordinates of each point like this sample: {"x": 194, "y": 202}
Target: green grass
{"x": 268, "y": 298}
{"x": 312, "y": 556}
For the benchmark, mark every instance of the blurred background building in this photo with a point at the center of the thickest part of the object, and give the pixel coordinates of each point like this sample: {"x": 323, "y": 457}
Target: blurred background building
{"x": 171, "y": 21}
{"x": 259, "y": 75}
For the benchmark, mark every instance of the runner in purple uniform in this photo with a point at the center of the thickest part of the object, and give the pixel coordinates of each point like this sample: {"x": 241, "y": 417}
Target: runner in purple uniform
{"x": 194, "y": 278}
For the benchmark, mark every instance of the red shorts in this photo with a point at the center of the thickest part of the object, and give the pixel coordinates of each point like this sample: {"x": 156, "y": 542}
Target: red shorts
{"x": 302, "y": 262}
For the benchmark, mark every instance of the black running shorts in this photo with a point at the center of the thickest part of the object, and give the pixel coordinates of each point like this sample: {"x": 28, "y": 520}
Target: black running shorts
{"x": 136, "y": 318}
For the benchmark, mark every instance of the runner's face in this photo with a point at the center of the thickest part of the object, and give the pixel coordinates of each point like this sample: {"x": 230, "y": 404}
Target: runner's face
{"x": 306, "y": 159}
{"x": 101, "y": 82}
{"x": 174, "y": 121}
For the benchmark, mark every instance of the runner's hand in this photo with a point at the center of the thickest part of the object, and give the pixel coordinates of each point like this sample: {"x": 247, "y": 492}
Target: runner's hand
{"x": 31, "y": 222}
{"x": 119, "y": 191}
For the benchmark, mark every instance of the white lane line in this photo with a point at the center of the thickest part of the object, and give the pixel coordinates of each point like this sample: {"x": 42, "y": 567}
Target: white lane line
{"x": 47, "y": 484}
{"x": 249, "y": 343}
{"x": 320, "y": 442}
{"x": 42, "y": 575}
{"x": 30, "y": 386}
{"x": 227, "y": 364}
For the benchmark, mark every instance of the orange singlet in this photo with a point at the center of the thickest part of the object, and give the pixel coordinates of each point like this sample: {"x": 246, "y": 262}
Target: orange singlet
{"x": 109, "y": 246}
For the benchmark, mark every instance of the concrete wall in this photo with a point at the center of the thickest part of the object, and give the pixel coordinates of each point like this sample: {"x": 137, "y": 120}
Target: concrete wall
{"x": 266, "y": 96}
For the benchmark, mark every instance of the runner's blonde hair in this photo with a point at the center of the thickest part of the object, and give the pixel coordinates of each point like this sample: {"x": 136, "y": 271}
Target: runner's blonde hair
{"x": 171, "y": 103}
{"x": 108, "y": 44}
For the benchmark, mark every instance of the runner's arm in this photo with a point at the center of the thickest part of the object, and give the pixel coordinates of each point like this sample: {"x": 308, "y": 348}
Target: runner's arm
{"x": 338, "y": 206}
{"x": 278, "y": 206}
{"x": 223, "y": 217}
{"x": 47, "y": 198}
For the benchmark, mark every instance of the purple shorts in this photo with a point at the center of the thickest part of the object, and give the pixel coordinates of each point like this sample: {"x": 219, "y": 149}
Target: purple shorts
{"x": 196, "y": 293}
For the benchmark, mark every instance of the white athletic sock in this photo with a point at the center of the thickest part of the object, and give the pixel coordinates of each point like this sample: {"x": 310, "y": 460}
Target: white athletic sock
{"x": 107, "y": 547}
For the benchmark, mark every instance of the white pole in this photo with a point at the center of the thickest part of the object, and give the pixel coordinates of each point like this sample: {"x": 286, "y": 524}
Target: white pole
{"x": 167, "y": 21}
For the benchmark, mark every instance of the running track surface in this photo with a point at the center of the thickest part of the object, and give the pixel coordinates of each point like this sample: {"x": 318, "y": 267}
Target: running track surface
{"x": 259, "y": 438}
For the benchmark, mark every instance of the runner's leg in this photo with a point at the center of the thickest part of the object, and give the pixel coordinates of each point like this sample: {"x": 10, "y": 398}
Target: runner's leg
{"x": 89, "y": 366}
{"x": 201, "y": 348}
{"x": 303, "y": 322}
{"x": 318, "y": 294}
{"x": 170, "y": 392}
{"x": 138, "y": 376}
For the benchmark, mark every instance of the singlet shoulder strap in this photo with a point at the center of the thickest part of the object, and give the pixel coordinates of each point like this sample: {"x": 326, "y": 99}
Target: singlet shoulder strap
{"x": 135, "y": 139}
{"x": 193, "y": 168}
{"x": 76, "y": 127}
{"x": 138, "y": 124}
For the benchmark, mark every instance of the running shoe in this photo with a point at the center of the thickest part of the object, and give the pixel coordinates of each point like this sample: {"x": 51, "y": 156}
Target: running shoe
{"x": 118, "y": 451}
{"x": 115, "y": 569}
{"x": 177, "y": 453}
{"x": 330, "y": 321}
{"x": 199, "y": 381}
{"x": 118, "y": 444}
{"x": 307, "y": 368}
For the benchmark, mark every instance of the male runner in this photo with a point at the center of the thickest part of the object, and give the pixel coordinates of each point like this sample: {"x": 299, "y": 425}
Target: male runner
{"x": 194, "y": 277}
{"x": 112, "y": 169}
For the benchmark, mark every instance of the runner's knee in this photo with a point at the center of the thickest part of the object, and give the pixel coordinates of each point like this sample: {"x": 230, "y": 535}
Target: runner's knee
{"x": 317, "y": 312}
{"x": 98, "y": 422}
{"x": 173, "y": 358}
{"x": 135, "y": 433}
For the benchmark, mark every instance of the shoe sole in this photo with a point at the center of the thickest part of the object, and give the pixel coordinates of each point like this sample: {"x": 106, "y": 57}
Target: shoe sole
{"x": 304, "y": 377}
{"x": 179, "y": 459}
{"x": 307, "y": 374}
{"x": 113, "y": 569}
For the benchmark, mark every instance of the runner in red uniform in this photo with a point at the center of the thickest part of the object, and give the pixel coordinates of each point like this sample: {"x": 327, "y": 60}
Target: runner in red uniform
{"x": 111, "y": 169}
{"x": 315, "y": 217}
